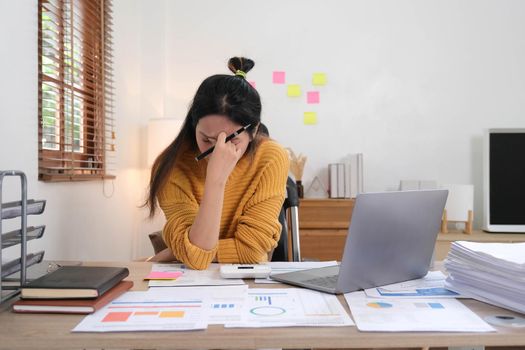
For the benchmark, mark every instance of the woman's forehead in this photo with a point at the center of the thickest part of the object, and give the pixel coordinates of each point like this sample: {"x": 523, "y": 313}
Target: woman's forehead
{"x": 214, "y": 124}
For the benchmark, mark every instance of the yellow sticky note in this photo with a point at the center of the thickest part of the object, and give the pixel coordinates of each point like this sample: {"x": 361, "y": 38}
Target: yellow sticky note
{"x": 294, "y": 90}
{"x": 310, "y": 118}
{"x": 319, "y": 79}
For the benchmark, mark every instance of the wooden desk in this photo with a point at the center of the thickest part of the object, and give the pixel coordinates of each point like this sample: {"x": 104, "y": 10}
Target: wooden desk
{"x": 27, "y": 331}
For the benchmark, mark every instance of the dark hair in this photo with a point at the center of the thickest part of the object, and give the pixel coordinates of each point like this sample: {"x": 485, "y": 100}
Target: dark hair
{"x": 228, "y": 95}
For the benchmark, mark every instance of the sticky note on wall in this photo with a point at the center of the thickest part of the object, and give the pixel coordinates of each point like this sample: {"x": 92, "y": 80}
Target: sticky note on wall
{"x": 310, "y": 118}
{"x": 294, "y": 90}
{"x": 312, "y": 97}
{"x": 279, "y": 77}
{"x": 319, "y": 79}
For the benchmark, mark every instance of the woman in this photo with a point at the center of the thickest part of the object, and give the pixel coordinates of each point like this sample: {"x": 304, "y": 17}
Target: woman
{"x": 224, "y": 207}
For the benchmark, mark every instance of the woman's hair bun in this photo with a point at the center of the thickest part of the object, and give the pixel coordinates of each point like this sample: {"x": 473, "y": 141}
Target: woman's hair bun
{"x": 240, "y": 63}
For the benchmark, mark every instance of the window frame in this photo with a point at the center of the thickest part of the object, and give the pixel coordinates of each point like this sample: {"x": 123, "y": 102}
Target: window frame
{"x": 88, "y": 26}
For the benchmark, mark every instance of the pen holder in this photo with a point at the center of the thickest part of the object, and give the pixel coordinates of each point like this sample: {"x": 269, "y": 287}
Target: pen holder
{"x": 297, "y": 163}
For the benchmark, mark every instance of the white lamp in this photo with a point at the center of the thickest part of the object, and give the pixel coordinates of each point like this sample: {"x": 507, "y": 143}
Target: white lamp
{"x": 161, "y": 132}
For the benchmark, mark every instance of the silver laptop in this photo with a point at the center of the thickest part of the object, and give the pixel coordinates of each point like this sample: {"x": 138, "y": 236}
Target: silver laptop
{"x": 391, "y": 239}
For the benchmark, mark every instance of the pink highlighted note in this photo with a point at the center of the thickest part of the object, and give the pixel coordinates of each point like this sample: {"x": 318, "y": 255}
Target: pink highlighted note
{"x": 160, "y": 275}
{"x": 279, "y": 77}
{"x": 312, "y": 97}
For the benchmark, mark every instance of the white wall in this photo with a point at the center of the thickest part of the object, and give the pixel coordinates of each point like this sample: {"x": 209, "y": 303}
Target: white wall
{"x": 412, "y": 84}
{"x": 84, "y": 220}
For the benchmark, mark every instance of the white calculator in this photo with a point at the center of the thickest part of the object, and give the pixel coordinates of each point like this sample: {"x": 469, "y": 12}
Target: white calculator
{"x": 245, "y": 271}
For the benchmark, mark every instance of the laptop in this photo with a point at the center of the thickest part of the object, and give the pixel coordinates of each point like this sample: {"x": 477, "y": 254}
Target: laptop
{"x": 391, "y": 239}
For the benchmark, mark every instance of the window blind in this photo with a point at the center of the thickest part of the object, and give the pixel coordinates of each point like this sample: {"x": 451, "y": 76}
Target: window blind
{"x": 76, "y": 127}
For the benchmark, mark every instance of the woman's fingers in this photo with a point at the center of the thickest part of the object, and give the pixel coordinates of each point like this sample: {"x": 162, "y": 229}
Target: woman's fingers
{"x": 223, "y": 159}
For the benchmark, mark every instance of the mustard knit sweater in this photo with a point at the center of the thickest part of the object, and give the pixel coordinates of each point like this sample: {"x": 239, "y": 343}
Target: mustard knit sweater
{"x": 253, "y": 198}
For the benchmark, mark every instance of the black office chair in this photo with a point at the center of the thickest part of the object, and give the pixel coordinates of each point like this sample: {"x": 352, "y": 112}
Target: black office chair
{"x": 288, "y": 217}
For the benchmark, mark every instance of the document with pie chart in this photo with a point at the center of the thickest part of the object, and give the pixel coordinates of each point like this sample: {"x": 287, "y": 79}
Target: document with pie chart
{"x": 413, "y": 315}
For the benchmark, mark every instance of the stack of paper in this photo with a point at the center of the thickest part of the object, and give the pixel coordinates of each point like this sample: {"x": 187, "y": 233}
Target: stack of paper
{"x": 490, "y": 272}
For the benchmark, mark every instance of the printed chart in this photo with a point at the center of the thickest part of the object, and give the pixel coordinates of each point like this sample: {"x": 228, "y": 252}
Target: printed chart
{"x": 140, "y": 311}
{"x": 406, "y": 315}
{"x": 286, "y": 307}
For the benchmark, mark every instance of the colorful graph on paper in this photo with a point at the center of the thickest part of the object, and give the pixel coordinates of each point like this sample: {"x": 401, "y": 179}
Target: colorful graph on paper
{"x": 136, "y": 311}
{"x": 379, "y": 305}
{"x": 279, "y": 307}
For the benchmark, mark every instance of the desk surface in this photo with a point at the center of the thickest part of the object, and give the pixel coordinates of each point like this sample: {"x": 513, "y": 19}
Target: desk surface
{"x": 22, "y": 331}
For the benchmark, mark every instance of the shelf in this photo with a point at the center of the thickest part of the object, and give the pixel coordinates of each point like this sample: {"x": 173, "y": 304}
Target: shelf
{"x": 14, "y": 209}
{"x": 15, "y": 265}
{"x": 13, "y": 273}
{"x": 14, "y": 237}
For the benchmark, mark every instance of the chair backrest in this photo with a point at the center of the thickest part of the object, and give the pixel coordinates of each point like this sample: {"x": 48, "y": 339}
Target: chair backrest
{"x": 289, "y": 210}
{"x": 290, "y": 228}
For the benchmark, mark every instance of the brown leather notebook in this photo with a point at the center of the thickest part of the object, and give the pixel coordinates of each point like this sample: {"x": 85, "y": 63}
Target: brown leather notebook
{"x": 71, "y": 306}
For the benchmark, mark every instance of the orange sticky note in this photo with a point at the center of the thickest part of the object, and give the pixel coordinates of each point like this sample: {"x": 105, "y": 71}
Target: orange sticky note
{"x": 294, "y": 90}
{"x": 310, "y": 118}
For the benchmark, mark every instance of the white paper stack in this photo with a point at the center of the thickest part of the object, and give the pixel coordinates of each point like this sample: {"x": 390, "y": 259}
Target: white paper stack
{"x": 490, "y": 272}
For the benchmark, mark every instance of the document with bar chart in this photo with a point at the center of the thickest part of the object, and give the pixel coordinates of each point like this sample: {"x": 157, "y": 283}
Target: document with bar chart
{"x": 288, "y": 307}
{"x": 224, "y": 302}
{"x": 144, "y": 311}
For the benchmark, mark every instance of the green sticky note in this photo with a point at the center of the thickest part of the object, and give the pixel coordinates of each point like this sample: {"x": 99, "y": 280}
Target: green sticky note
{"x": 310, "y": 118}
{"x": 294, "y": 90}
{"x": 319, "y": 79}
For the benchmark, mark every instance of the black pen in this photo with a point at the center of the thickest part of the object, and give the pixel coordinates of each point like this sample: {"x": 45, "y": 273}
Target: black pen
{"x": 228, "y": 138}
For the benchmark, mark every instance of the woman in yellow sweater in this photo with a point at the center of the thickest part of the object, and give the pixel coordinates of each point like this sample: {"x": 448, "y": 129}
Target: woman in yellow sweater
{"x": 224, "y": 207}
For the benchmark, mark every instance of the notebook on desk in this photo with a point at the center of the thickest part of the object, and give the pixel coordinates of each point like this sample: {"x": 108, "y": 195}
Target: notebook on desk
{"x": 391, "y": 239}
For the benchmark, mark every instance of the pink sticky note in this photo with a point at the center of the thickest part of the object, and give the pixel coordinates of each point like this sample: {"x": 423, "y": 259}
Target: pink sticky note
{"x": 312, "y": 97}
{"x": 252, "y": 83}
{"x": 279, "y": 77}
{"x": 160, "y": 275}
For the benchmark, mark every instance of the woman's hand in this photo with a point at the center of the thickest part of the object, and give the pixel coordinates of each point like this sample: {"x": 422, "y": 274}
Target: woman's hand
{"x": 223, "y": 160}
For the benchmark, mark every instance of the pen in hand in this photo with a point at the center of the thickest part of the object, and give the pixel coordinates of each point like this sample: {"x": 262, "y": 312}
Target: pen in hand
{"x": 228, "y": 138}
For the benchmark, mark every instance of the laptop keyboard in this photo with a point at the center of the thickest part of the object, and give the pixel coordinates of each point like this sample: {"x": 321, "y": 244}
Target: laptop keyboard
{"x": 326, "y": 281}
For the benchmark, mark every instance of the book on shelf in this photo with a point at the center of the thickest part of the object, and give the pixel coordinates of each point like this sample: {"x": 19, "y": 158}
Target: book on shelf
{"x": 71, "y": 306}
{"x": 72, "y": 282}
{"x": 353, "y": 164}
{"x": 341, "y": 180}
{"x": 333, "y": 182}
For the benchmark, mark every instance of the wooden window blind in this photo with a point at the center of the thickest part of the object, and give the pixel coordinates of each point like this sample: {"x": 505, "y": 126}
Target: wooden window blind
{"x": 75, "y": 110}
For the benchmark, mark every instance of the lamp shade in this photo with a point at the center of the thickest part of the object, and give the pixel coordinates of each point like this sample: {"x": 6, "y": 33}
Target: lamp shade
{"x": 161, "y": 132}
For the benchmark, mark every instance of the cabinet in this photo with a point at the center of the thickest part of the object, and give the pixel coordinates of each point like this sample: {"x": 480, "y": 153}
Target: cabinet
{"x": 10, "y": 283}
{"x": 323, "y": 226}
